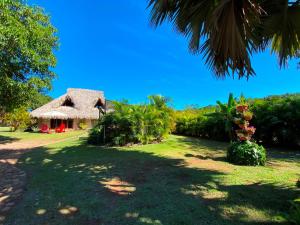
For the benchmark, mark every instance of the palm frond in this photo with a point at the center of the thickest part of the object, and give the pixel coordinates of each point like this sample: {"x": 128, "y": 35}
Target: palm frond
{"x": 228, "y": 32}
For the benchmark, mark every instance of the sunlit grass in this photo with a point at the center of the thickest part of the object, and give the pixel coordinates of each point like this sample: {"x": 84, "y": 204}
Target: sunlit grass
{"x": 179, "y": 181}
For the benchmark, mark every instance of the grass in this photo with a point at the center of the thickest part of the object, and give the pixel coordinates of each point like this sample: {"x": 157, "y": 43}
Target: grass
{"x": 7, "y": 136}
{"x": 180, "y": 181}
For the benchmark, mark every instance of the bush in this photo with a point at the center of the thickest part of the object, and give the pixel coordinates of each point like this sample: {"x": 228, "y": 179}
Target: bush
{"x": 246, "y": 153}
{"x": 294, "y": 216}
{"x": 134, "y": 123}
{"x": 96, "y": 135}
{"x": 19, "y": 119}
{"x": 275, "y": 118}
{"x": 82, "y": 125}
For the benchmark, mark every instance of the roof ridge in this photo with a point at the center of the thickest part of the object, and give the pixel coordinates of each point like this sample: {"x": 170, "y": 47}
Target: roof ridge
{"x": 83, "y": 89}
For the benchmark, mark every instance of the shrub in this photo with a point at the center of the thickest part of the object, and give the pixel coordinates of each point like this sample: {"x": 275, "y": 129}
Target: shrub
{"x": 275, "y": 118}
{"x": 17, "y": 119}
{"x": 96, "y": 135}
{"x": 82, "y": 125}
{"x": 246, "y": 153}
{"x": 294, "y": 216}
{"x": 134, "y": 123}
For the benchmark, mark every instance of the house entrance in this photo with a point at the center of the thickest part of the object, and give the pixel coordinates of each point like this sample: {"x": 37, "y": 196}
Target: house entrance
{"x": 55, "y": 123}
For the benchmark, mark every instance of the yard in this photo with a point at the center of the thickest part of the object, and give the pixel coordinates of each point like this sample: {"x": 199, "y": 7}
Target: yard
{"x": 6, "y": 136}
{"x": 180, "y": 181}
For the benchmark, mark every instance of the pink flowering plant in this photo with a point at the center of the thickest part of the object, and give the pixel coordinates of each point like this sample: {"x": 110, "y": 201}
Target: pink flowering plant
{"x": 244, "y": 151}
{"x": 242, "y": 120}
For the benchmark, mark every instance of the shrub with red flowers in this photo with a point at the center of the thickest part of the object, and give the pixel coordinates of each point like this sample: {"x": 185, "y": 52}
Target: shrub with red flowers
{"x": 242, "y": 120}
{"x": 244, "y": 151}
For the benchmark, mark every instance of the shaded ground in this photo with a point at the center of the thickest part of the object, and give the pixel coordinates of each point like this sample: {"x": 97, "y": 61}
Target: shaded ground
{"x": 12, "y": 180}
{"x": 181, "y": 181}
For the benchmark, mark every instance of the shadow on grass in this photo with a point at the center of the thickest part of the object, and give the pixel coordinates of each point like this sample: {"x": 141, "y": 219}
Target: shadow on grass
{"x": 216, "y": 150}
{"x": 6, "y": 139}
{"x": 86, "y": 185}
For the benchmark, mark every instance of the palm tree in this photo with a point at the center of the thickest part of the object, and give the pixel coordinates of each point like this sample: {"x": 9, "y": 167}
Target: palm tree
{"x": 228, "y": 32}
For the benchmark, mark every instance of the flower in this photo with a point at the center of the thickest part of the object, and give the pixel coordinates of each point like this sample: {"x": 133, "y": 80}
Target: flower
{"x": 251, "y": 130}
{"x": 242, "y": 108}
{"x": 248, "y": 116}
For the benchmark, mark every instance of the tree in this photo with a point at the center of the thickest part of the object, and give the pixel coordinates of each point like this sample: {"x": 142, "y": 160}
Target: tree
{"x": 27, "y": 42}
{"x": 228, "y": 32}
{"x": 38, "y": 100}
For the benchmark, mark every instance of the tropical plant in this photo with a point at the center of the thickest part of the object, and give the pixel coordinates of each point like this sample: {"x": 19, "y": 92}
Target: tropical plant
{"x": 228, "y": 32}
{"x": 275, "y": 118}
{"x": 227, "y": 111}
{"x": 17, "y": 119}
{"x": 143, "y": 123}
{"x": 246, "y": 153}
{"x": 27, "y": 42}
{"x": 242, "y": 120}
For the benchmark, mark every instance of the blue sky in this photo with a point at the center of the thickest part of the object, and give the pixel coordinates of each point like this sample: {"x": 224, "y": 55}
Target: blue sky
{"x": 110, "y": 46}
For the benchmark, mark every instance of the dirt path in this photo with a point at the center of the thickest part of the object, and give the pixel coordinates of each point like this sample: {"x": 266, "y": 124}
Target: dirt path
{"x": 12, "y": 179}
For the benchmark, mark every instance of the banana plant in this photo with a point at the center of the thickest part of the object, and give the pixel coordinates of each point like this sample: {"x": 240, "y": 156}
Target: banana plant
{"x": 227, "y": 111}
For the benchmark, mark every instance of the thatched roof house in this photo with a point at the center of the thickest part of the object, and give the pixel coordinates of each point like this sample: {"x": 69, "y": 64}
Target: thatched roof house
{"x": 77, "y": 106}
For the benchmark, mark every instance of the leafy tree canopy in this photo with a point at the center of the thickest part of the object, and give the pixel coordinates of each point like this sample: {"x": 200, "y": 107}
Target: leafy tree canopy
{"x": 228, "y": 32}
{"x": 27, "y": 44}
{"x": 39, "y": 100}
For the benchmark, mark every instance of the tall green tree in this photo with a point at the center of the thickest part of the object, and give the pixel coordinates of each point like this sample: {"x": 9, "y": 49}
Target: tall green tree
{"x": 228, "y": 32}
{"x": 27, "y": 44}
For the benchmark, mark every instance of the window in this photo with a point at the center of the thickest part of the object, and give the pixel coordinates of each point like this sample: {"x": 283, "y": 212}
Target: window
{"x": 68, "y": 102}
{"x": 99, "y": 103}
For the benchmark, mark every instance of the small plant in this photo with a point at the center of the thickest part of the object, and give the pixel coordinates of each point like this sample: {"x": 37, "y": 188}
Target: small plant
{"x": 82, "y": 125}
{"x": 246, "y": 153}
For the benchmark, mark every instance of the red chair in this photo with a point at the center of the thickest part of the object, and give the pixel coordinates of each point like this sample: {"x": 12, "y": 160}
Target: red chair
{"x": 61, "y": 128}
{"x": 45, "y": 129}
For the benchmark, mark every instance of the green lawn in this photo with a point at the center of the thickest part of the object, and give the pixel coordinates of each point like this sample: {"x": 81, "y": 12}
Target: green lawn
{"x": 7, "y": 136}
{"x": 182, "y": 181}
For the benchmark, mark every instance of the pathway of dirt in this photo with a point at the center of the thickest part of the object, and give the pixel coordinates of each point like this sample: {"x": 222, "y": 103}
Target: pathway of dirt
{"x": 12, "y": 179}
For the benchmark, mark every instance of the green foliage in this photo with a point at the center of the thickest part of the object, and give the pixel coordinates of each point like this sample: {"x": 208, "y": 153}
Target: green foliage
{"x": 17, "y": 119}
{"x": 37, "y": 100}
{"x": 294, "y": 215}
{"x": 227, "y": 33}
{"x": 27, "y": 41}
{"x": 83, "y": 125}
{"x": 201, "y": 123}
{"x": 227, "y": 111}
{"x": 246, "y": 153}
{"x": 275, "y": 118}
{"x": 134, "y": 123}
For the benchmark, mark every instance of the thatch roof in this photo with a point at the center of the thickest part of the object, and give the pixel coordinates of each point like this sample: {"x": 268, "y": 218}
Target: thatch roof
{"x": 75, "y": 104}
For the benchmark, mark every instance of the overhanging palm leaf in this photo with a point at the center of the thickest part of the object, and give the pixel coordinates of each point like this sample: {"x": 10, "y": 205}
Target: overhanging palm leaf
{"x": 282, "y": 28}
{"x": 231, "y": 30}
